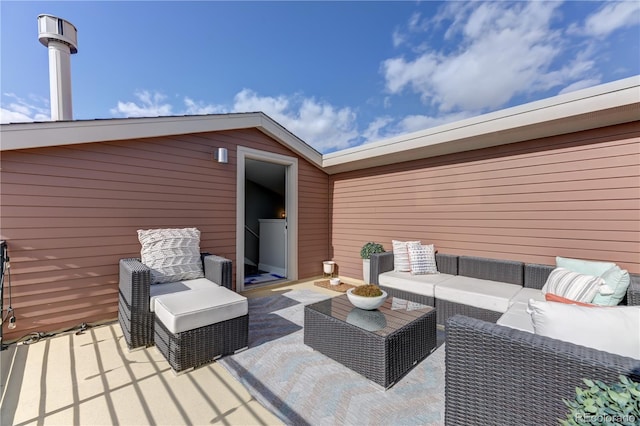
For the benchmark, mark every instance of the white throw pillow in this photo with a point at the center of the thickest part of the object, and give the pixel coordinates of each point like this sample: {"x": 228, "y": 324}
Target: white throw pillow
{"x": 422, "y": 259}
{"x": 614, "y": 329}
{"x": 574, "y": 286}
{"x": 401, "y": 255}
{"x": 171, "y": 254}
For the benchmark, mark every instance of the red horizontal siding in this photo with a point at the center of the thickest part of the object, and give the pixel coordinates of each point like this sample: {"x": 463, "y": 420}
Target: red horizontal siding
{"x": 575, "y": 195}
{"x": 70, "y": 213}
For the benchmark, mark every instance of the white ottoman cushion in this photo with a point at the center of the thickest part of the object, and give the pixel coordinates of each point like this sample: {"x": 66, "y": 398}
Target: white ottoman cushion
{"x": 188, "y": 310}
{"x": 419, "y": 284}
{"x": 483, "y": 294}
{"x": 175, "y": 287}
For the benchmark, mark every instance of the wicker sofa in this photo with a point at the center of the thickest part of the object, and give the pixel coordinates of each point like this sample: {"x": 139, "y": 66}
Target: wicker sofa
{"x": 497, "y": 375}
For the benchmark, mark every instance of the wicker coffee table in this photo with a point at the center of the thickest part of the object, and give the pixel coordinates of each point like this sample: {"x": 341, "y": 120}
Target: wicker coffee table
{"x": 382, "y": 345}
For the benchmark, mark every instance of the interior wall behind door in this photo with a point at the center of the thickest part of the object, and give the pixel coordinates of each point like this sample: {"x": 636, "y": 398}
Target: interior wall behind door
{"x": 260, "y": 203}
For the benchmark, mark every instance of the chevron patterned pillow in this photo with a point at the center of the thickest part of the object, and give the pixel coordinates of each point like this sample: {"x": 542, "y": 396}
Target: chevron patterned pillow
{"x": 171, "y": 254}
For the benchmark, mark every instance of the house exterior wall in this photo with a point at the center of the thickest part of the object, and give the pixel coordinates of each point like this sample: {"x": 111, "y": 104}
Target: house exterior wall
{"x": 574, "y": 195}
{"x": 70, "y": 213}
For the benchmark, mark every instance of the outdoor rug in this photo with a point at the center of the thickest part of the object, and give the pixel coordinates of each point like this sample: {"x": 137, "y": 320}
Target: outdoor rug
{"x": 302, "y": 386}
{"x": 262, "y": 278}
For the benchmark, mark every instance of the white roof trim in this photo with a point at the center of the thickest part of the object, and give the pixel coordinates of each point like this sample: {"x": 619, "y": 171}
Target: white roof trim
{"x": 55, "y": 133}
{"x": 598, "y": 106}
{"x": 604, "y": 105}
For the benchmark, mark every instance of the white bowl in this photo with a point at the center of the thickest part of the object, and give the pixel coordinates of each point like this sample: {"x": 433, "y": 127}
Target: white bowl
{"x": 366, "y": 303}
{"x": 334, "y": 281}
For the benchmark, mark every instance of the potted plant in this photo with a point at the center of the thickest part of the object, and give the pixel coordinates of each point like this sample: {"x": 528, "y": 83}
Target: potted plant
{"x": 365, "y": 253}
{"x": 367, "y": 297}
{"x": 604, "y": 404}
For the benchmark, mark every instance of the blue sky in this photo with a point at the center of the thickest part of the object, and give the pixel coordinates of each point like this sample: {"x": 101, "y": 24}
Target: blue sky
{"x": 336, "y": 74}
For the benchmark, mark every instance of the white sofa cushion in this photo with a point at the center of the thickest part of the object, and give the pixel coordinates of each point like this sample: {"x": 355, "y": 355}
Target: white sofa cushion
{"x": 175, "y": 287}
{"x": 518, "y": 317}
{"x": 525, "y": 294}
{"x": 188, "y": 310}
{"x": 419, "y": 284}
{"x": 171, "y": 254}
{"x": 614, "y": 329}
{"x": 484, "y": 294}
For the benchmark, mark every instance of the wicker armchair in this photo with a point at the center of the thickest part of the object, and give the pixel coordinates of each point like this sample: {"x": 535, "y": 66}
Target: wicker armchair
{"x": 134, "y": 315}
{"x": 496, "y": 375}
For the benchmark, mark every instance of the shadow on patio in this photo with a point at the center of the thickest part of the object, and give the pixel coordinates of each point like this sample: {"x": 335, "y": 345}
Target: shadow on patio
{"x": 91, "y": 378}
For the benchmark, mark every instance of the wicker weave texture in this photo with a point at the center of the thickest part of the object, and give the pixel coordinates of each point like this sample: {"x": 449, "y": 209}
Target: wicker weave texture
{"x": 535, "y": 276}
{"x": 134, "y": 316}
{"x": 633, "y": 292}
{"x": 379, "y": 263}
{"x": 381, "y": 359}
{"x": 202, "y": 345}
{"x": 497, "y": 375}
{"x": 506, "y": 271}
{"x": 448, "y": 309}
{"x": 447, "y": 263}
{"x": 218, "y": 269}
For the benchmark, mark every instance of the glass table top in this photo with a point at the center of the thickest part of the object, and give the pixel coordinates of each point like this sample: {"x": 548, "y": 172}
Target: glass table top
{"x": 394, "y": 313}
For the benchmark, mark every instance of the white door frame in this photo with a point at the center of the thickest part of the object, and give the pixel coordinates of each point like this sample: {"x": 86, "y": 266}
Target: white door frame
{"x": 291, "y": 208}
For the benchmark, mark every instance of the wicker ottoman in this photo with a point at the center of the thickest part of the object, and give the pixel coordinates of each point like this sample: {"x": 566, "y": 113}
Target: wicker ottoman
{"x": 198, "y": 326}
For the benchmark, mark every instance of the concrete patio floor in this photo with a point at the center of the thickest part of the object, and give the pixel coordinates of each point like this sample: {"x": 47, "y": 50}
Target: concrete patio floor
{"x": 92, "y": 379}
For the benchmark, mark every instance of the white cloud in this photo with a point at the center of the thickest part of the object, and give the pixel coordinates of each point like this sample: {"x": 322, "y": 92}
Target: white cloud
{"x": 414, "y": 123}
{"x": 20, "y": 110}
{"x": 374, "y": 130}
{"x": 149, "y": 105}
{"x": 318, "y": 123}
{"x": 611, "y": 17}
{"x": 200, "y": 108}
{"x": 398, "y": 38}
{"x": 582, "y": 84}
{"x": 504, "y": 50}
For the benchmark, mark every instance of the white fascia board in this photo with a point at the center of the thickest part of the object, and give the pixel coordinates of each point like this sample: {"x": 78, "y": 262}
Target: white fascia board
{"x": 607, "y": 104}
{"x": 57, "y": 133}
{"x": 273, "y": 129}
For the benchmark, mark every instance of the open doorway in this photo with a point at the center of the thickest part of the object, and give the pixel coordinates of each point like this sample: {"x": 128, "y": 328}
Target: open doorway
{"x": 266, "y": 218}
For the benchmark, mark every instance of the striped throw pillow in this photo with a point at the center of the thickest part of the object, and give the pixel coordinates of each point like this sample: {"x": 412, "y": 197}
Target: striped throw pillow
{"x": 401, "y": 255}
{"x": 572, "y": 285}
{"x": 422, "y": 259}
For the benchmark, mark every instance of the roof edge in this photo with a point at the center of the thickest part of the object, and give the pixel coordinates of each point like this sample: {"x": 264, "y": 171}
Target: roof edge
{"x": 598, "y": 106}
{"x": 60, "y": 133}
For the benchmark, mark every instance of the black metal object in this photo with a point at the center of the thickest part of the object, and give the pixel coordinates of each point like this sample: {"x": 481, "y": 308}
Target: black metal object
{"x": 4, "y": 258}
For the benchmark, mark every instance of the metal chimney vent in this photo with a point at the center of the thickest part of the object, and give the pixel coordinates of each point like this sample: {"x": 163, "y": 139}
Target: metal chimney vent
{"x": 61, "y": 38}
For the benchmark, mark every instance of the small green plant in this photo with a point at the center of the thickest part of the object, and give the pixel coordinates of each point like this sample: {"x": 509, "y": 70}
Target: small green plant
{"x": 370, "y": 248}
{"x": 369, "y": 290}
{"x": 600, "y": 404}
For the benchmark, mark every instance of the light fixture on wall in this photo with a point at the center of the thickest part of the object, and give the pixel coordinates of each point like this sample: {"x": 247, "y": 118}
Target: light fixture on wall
{"x": 221, "y": 155}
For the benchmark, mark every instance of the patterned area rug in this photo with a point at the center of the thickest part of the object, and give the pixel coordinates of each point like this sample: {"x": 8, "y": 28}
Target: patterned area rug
{"x": 262, "y": 278}
{"x": 302, "y": 386}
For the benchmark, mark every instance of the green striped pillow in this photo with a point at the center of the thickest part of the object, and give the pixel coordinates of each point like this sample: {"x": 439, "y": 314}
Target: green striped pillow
{"x": 574, "y": 286}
